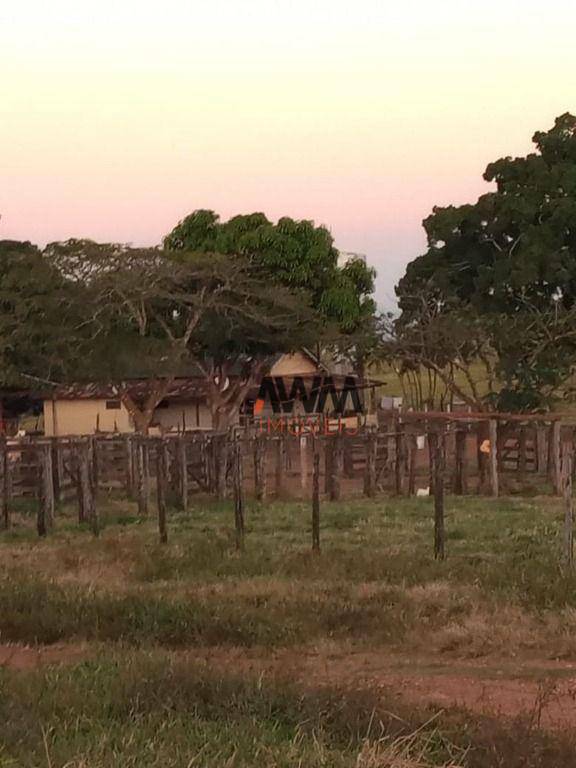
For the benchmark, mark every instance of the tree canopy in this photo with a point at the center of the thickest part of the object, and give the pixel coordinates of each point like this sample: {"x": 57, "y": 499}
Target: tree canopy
{"x": 516, "y": 244}
{"x": 295, "y": 254}
{"x": 40, "y": 317}
{"x": 158, "y": 315}
{"x": 509, "y": 260}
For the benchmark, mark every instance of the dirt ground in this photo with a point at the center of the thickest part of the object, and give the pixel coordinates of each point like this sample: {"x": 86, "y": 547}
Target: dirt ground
{"x": 544, "y": 691}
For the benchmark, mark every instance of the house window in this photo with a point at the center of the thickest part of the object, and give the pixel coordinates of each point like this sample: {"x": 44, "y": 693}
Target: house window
{"x": 112, "y": 405}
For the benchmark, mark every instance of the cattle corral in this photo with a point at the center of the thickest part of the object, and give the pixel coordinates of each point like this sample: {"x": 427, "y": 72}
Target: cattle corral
{"x": 407, "y": 454}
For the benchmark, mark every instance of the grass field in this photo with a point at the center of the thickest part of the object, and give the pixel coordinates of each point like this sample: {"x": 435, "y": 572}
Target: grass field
{"x": 191, "y": 654}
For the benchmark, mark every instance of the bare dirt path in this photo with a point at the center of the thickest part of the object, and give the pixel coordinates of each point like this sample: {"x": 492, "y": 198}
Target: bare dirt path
{"x": 15, "y": 656}
{"x": 543, "y": 690}
{"x": 540, "y": 689}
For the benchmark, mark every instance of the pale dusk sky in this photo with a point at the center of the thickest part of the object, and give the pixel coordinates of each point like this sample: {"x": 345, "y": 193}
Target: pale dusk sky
{"x": 118, "y": 118}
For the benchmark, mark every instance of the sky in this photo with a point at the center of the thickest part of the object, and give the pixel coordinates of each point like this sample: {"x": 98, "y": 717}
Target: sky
{"x": 119, "y": 118}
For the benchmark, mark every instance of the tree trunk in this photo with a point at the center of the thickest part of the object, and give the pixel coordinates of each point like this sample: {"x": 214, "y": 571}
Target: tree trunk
{"x": 141, "y": 419}
{"x": 222, "y": 416}
{"x": 142, "y": 415}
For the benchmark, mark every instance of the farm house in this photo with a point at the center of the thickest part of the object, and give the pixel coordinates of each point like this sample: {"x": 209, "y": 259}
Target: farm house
{"x": 90, "y": 408}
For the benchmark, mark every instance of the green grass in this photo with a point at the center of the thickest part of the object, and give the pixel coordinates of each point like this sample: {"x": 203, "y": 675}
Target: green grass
{"x": 138, "y": 700}
{"x": 153, "y": 710}
{"x": 375, "y": 580}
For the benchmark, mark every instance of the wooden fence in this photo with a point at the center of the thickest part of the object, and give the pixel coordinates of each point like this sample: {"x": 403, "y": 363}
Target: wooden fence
{"x": 411, "y": 454}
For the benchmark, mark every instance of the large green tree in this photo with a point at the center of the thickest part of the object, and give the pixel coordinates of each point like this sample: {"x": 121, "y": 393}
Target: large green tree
{"x": 154, "y": 315}
{"x": 40, "y": 317}
{"x": 509, "y": 261}
{"x": 298, "y": 255}
{"x": 295, "y": 258}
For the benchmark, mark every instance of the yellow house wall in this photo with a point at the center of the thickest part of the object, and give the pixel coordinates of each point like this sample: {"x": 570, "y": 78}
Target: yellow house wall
{"x": 83, "y": 417}
{"x": 176, "y": 415}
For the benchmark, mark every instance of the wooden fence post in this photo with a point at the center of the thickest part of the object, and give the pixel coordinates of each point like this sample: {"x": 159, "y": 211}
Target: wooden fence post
{"x": 399, "y": 460}
{"x": 238, "y": 495}
{"x": 280, "y": 446}
{"x": 541, "y": 449}
{"x": 41, "y": 526}
{"x": 75, "y": 474}
{"x": 316, "y": 498}
{"x": 303, "y": 463}
{"x": 171, "y": 470}
{"x": 220, "y": 456}
{"x": 439, "y": 466}
{"x": 460, "y": 462}
{"x": 493, "y": 427}
{"x": 370, "y": 467}
{"x": 348, "y": 458}
{"x": 161, "y": 484}
{"x": 390, "y": 445}
{"x": 335, "y": 466}
{"x": 260, "y": 449}
{"x": 503, "y": 428}
{"x": 208, "y": 459}
{"x": 522, "y": 454}
{"x": 129, "y": 483}
{"x": 46, "y": 505}
{"x": 86, "y": 489}
{"x": 56, "y": 475}
{"x": 5, "y": 484}
{"x": 146, "y": 446}
{"x": 94, "y": 465}
{"x": 45, "y": 490}
{"x": 556, "y": 456}
{"x": 328, "y": 457}
{"x": 431, "y": 439}
{"x": 412, "y": 449}
{"x": 481, "y": 437}
{"x": 173, "y": 484}
{"x": 567, "y": 469}
{"x": 141, "y": 477}
{"x": 183, "y": 472}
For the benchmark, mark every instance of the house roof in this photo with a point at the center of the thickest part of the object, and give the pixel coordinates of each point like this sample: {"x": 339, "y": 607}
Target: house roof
{"x": 182, "y": 388}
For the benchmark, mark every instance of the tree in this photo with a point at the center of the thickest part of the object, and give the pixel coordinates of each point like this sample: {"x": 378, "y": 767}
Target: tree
{"x": 295, "y": 254}
{"x": 292, "y": 258}
{"x": 442, "y": 355}
{"x": 153, "y": 314}
{"x": 510, "y": 261}
{"x": 39, "y": 317}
